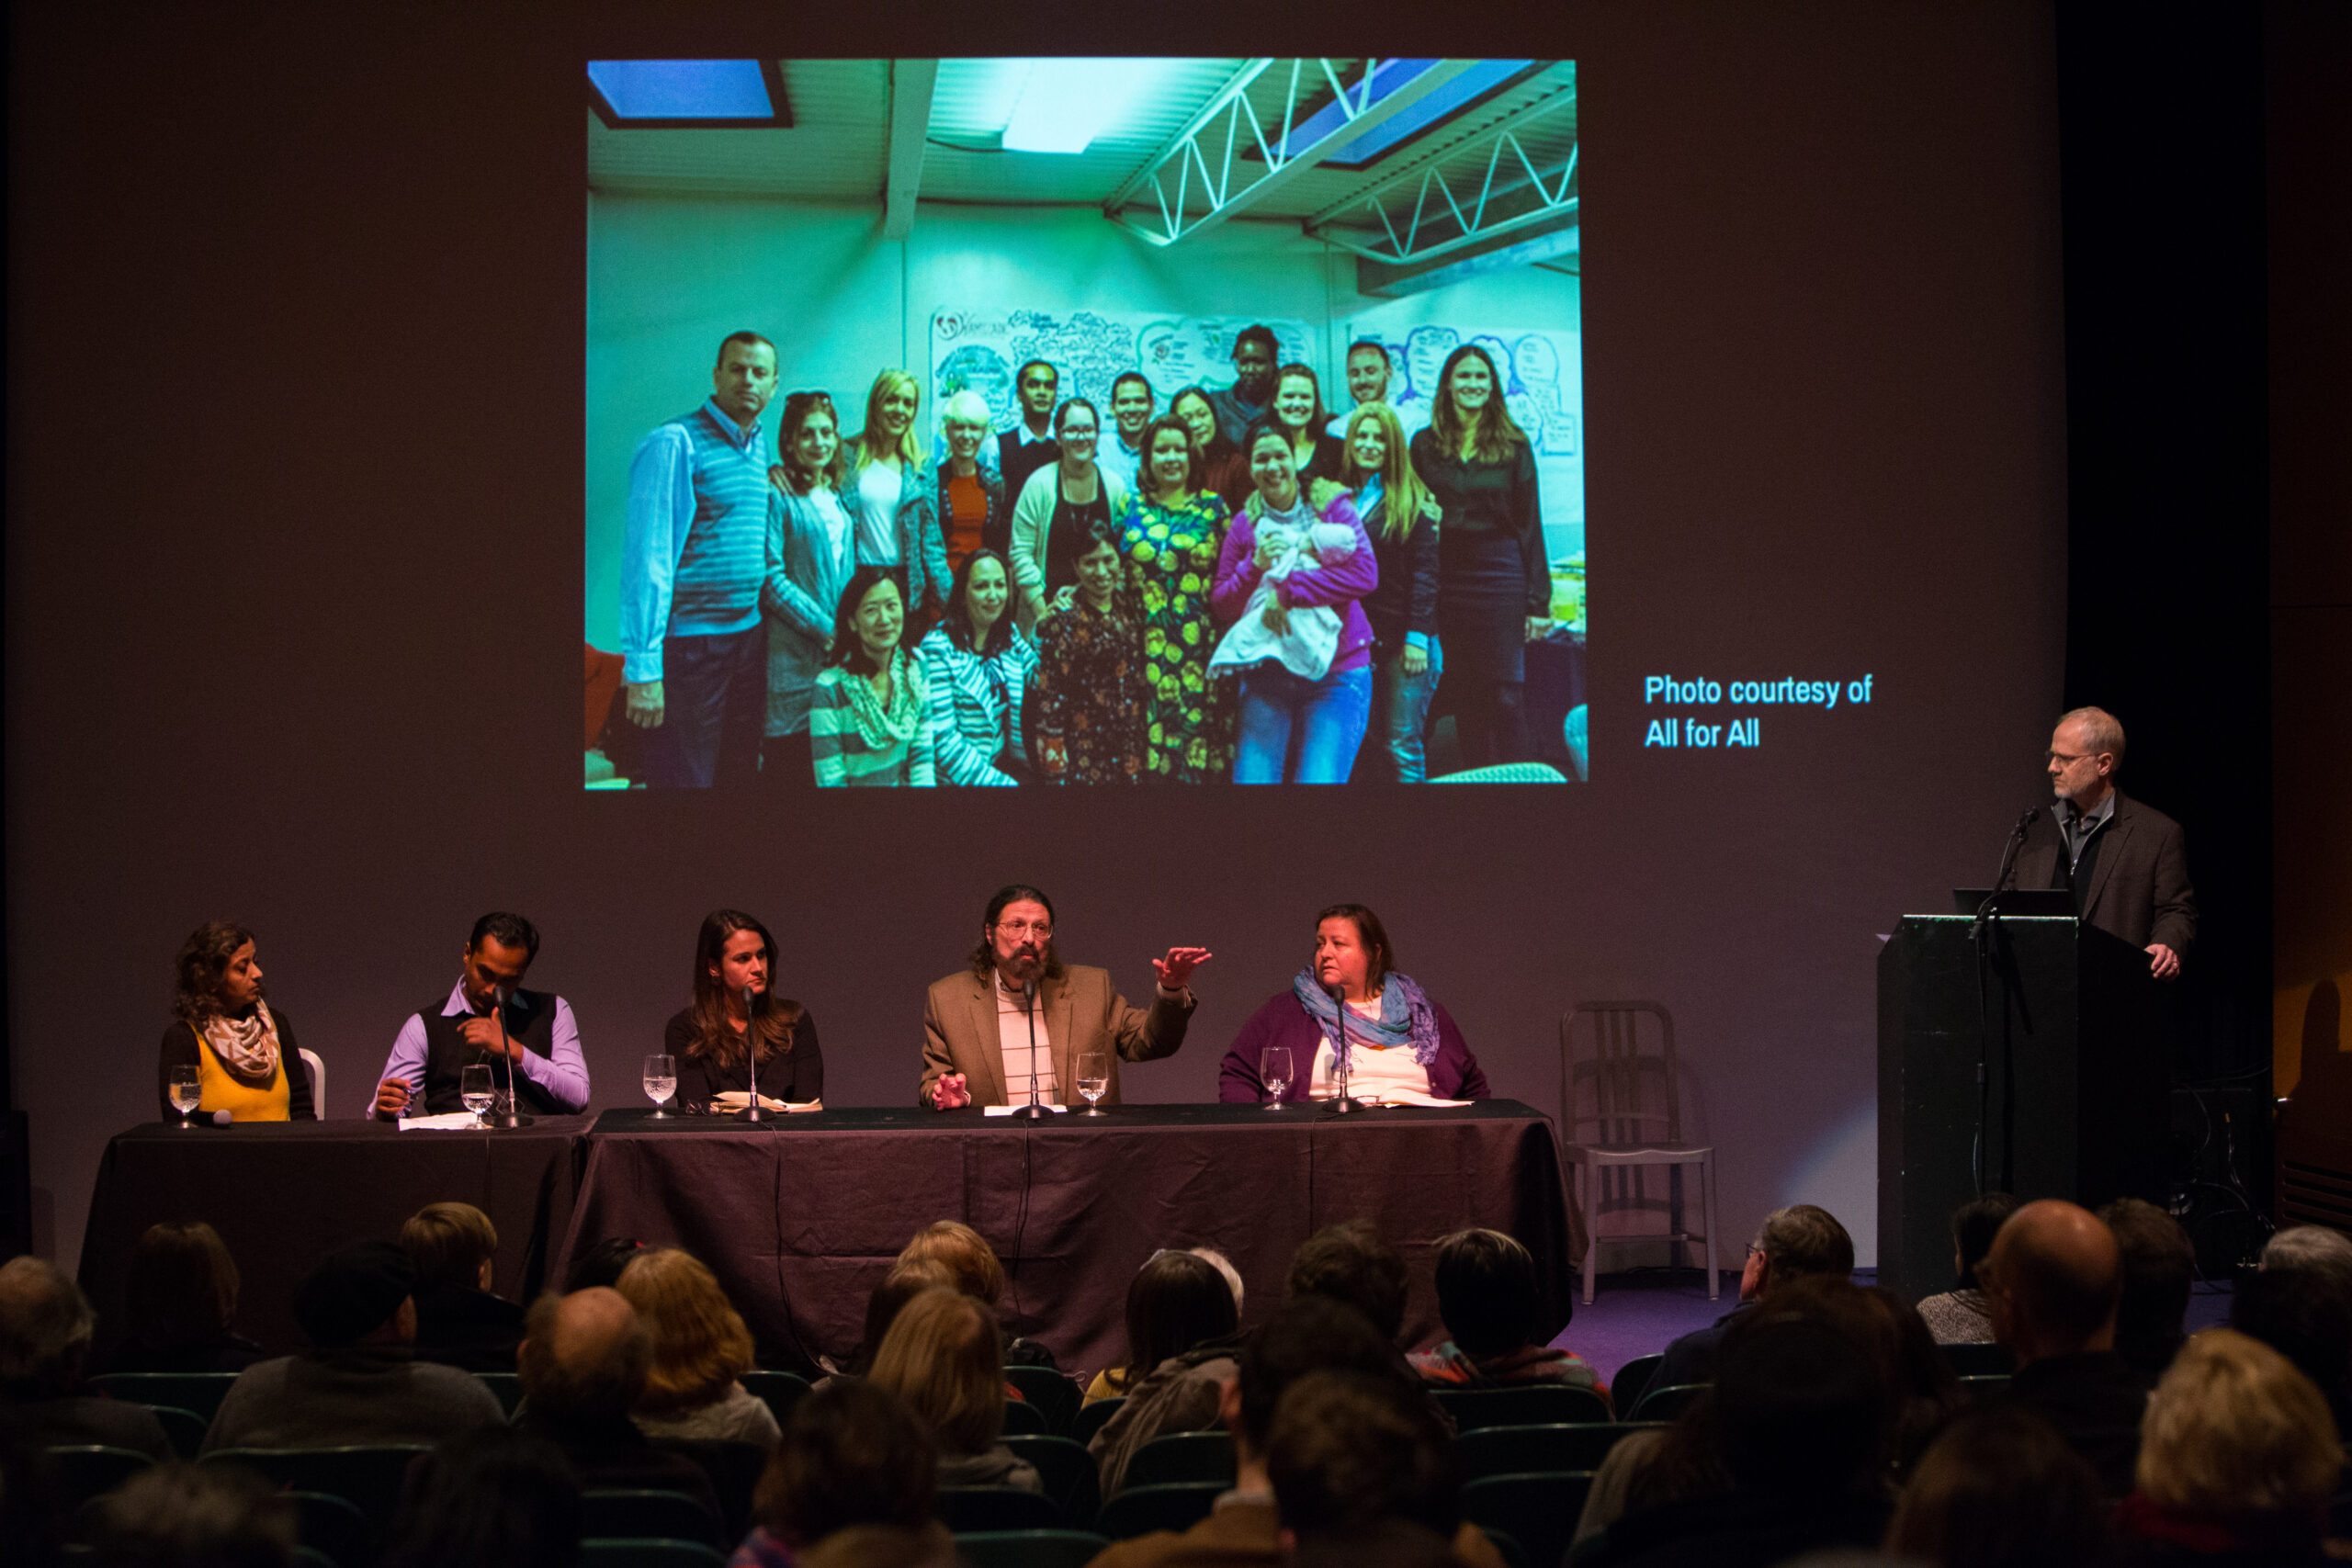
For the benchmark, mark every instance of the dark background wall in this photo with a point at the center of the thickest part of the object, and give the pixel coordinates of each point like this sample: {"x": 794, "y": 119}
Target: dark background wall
{"x": 293, "y": 549}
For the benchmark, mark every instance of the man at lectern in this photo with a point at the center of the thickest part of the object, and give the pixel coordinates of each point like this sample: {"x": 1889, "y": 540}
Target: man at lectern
{"x": 2124, "y": 861}
{"x": 1018, "y": 1014}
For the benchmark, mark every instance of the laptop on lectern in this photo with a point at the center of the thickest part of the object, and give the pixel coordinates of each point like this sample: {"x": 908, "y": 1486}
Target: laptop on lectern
{"x": 2055, "y": 902}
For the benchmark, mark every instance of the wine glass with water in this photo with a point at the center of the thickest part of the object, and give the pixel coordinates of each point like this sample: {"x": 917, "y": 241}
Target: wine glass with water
{"x": 1093, "y": 1078}
{"x": 660, "y": 1081}
{"x": 188, "y": 1093}
{"x": 1273, "y": 1071}
{"x": 474, "y": 1091}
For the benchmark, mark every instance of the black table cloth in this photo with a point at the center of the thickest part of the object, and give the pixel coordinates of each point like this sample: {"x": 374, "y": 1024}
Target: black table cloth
{"x": 281, "y": 1193}
{"x": 800, "y": 1218}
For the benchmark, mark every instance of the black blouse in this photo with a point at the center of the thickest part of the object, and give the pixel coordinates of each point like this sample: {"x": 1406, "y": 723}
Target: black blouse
{"x": 796, "y": 1076}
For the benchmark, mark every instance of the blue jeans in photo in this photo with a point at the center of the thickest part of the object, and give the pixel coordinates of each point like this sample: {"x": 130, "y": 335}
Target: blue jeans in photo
{"x": 1402, "y": 701}
{"x": 1320, "y": 722}
{"x": 714, "y": 701}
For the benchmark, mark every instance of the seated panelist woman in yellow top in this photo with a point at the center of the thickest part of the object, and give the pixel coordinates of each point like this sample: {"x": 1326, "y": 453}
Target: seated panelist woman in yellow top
{"x": 240, "y": 1048}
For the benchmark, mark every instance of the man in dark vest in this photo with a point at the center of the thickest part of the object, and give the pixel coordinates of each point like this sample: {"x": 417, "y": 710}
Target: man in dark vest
{"x": 486, "y": 1014}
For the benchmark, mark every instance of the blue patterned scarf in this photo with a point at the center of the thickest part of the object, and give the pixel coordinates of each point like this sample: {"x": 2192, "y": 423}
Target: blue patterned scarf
{"x": 1405, "y": 1017}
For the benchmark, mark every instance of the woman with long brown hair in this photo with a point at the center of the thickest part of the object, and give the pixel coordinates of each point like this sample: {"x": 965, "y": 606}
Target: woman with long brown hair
{"x": 1494, "y": 590}
{"x": 737, "y": 1019}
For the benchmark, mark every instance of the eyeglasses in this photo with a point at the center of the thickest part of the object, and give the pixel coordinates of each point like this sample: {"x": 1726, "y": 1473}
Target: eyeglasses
{"x": 2068, "y": 758}
{"x": 1043, "y": 931}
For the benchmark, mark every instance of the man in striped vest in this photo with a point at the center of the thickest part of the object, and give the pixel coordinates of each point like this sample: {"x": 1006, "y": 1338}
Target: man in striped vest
{"x": 695, "y": 658}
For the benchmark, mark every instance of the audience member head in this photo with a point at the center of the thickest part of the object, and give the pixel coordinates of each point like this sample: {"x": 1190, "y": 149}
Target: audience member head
{"x": 1350, "y": 1448}
{"x": 183, "y": 1286}
{"x": 1799, "y": 1406}
{"x": 207, "y": 988}
{"x": 1795, "y": 1243}
{"x": 2306, "y": 1317}
{"x": 944, "y": 1358}
{"x": 700, "y": 1344}
{"x": 907, "y": 1280}
{"x": 602, "y": 1264}
{"x": 883, "y": 1546}
{"x": 358, "y": 1294}
{"x": 1486, "y": 1292}
{"x": 1232, "y": 1276}
{"x": 1973, "y": 1225}
{"x": 494, "y": 1497}
{"x": 967, "y": 1254}
{"x": 584, "y": 1356}
{"x": 192, "y": 1516}
{"x": 2000, "y": 1489}
{"x": 2159, "y": 1267}
{"x": 852, "y": 1454}
{"x": 1307, "y": 1333}
{"x": 1174, "y": 1303}
{"x": 1920, "y": 1391}
{"x": 2236, "y": 1436}
{"x": 2310, "y": 1247}
{"x": 45, "y": 1328}
{"x": 2051, "y": 1281}
{"x": 1352, "y": 1263}
{"x": 451, "y": 1244}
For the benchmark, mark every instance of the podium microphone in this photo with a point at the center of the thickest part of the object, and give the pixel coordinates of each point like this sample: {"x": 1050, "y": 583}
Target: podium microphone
{"x": 506, "y": 1116}
{"x": 2008, "y": 860}
{"x": 1344, "y": 1102}
{"x": 1033, "y": 1111}
{"x": 750, "y": 1111}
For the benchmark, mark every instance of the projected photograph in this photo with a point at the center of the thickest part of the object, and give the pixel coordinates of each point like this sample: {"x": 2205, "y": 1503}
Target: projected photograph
{"x": 1045, "y": 422}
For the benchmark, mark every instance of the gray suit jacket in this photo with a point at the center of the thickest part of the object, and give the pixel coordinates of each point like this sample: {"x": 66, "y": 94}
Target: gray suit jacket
{"x": 2139, "y": 888}
{"x": 1080, "y": 1011}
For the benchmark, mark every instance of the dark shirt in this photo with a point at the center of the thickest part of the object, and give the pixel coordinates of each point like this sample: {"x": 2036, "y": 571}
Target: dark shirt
{"x": 1736, "y": 1530}
{"x": 472, "y": 1329}
{"x": 74, "y": 1420}
{"x": 2094, "y": 1399}
{"x": 1692, "y": 1358}
{"x": 224, "y": 1353}
{"x": 609, "y": 1451}
{"x": 796, "y": 1076}
{"x": 1019, "y": 455}
{"x": 338, "y": 1398}
{"x": 1483, "y": 502}
{"x": 1405, "y": 600}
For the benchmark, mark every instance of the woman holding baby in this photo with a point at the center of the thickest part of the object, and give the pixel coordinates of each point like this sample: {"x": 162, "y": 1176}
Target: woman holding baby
{"x": 1289, "y": 576}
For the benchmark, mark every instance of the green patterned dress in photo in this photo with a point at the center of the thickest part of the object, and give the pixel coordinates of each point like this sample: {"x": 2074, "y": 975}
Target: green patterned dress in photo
{"x": 1172, "y": 569}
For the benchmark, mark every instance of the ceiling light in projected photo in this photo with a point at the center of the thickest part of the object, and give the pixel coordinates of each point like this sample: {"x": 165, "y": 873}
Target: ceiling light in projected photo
{"x": 678, "y": 94}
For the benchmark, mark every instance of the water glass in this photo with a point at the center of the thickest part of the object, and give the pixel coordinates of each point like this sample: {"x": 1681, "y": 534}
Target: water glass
{"x": 474, "y": 1091}
{"x": 1273, "y": 1071}
{"x": 188, "y": 1092}
{"x": 1093, "y": 1078}
{"x": 660, "y": 1082}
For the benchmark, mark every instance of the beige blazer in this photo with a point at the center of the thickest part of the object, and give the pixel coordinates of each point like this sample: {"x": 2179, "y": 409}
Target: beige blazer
{"x": 1081, "y": 1012}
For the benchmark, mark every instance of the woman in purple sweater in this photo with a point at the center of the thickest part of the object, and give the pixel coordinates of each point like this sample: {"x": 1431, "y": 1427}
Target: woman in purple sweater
{"x": 1400, "y": 1043}
{"x": 1318, "y": 720}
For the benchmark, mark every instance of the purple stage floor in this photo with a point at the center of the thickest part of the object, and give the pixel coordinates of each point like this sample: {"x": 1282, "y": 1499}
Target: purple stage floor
{"x": 1635, "y": 1314}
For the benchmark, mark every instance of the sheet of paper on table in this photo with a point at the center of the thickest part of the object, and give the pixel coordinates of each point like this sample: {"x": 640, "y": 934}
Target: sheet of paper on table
{"x": 451, "y": 1122}
{"x": 1407, "y": 1097}
{"x": 1008, "y": 1109}
{"x": 736, "y": 1099}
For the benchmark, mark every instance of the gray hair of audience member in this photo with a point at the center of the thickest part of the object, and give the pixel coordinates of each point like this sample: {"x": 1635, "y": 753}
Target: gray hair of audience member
{"x": 1224, "y": 1265}
{"x": 2000, "y": 1489}
{"x": 584, "y": 1354}
{"x": 852, "y": 1454}
{"x": 1307, "y": 1333}
{"x": 1352, "y": 1263}
{"x": 1799, "y": 1407}
{"x": 1804, "y": 1239}
{"x": 192, "y": 1516}
{"x": 2314, "y": 1248}
{"x": 1973, "y": 1225}
{"x": 2234, "y": 1432}
{"x": 2103, "y": 732}
{"x": 46, "y": 1324}
{"x": 1487, "y": 1294}
{"x": 2159, "y": 1268}
{"x": 1348, "y": 1447}
{"x": 494, "y": 1497}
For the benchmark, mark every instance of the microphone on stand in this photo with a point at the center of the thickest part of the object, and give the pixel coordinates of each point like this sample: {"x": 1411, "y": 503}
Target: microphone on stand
{"x": 750, "y": 1111}
{"x": 506, "y": 1115}
{"x": 1032, "y": 1112}
{"x": 1984, "y": 911}
{"x": 1344, "y": 1102}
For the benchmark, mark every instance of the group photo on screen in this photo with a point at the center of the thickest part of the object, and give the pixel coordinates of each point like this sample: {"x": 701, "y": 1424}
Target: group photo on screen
{"x": 1014, "y": 422}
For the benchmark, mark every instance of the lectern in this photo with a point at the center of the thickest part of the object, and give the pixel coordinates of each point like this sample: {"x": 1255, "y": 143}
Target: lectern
{"x": 2060, "y": 1019}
